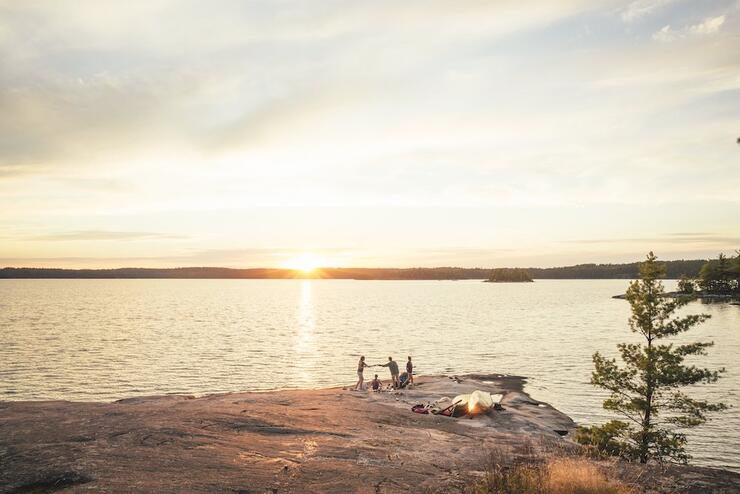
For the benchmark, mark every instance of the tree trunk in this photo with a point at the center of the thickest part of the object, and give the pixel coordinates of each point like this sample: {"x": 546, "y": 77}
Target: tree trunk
{"x": 645, "y": 437}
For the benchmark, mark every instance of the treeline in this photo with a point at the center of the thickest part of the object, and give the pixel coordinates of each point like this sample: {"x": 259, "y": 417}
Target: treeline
{"x": 184, "y": 273}
{"x": 674, "y": 270}
{"x": 509, "y": 275}
{"x": 719, "y": 276}
{"x": 443, "y": 273}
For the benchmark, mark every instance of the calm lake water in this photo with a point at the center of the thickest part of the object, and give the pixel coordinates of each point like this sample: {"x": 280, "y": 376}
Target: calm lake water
{"x": 108, "y": 339}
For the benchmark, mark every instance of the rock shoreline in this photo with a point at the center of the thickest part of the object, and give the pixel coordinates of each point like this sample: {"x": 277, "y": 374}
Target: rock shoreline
{"x": 711, "y": 297}
{"x": 325, "y": 440}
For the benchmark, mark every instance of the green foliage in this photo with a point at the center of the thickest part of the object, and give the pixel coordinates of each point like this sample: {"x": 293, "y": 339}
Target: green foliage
{"x": 605, "y": 439}
{"x": 499, "y": 275}
{"x": 646, "y": 390}
{"x": 721, "y": 276}
{"x": 686, "y": 285}
{"x": 674, "y": 269}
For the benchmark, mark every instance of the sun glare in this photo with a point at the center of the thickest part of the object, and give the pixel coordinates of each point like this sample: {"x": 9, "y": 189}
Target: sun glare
{"x": 305, "y": 263}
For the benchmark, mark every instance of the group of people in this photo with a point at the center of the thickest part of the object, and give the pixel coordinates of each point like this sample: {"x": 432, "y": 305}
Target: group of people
{"x": 399, "y": 380}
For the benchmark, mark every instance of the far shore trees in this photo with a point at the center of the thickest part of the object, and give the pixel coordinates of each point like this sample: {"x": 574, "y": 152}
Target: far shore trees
{"x": 686, "y": 285}
{"x": 509, "y": 275}
{"x": 721, "y": 276}
{"x": 646, "y": 390}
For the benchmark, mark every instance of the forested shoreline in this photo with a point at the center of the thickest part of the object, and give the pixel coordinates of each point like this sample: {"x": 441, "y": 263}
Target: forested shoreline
{"x": 674, "y": 270}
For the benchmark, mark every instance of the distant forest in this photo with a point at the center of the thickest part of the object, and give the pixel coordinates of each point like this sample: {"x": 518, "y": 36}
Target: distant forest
{"x": 509, "y": 275}
{"x": 674, "y": 270}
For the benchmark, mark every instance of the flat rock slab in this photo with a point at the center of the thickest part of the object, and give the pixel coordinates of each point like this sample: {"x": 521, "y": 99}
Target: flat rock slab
{"x": 329, "y": 440}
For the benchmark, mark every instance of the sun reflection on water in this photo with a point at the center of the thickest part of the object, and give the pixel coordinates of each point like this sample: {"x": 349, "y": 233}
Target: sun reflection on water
{"x": 304, "y": 345}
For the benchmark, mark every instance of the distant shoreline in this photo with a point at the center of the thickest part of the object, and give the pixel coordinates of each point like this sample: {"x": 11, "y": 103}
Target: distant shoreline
{"x": 627, "y": 271}
{"x": 713, "y": 297}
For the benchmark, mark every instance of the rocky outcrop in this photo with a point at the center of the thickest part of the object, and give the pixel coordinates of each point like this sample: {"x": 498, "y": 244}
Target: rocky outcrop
{"x": 329, "y": 440}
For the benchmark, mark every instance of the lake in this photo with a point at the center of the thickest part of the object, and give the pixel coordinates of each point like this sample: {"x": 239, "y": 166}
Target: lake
{"x": 107, "y": 339}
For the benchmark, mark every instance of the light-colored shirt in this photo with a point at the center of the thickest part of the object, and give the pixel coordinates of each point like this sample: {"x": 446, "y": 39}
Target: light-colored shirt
{"x": 392, "y": 366}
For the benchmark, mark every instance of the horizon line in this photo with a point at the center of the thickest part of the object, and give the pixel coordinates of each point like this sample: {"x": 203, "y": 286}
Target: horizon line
{"x": 318, "y": 268}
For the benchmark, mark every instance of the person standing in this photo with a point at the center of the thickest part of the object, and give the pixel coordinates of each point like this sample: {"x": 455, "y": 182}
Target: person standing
{"x": 360, "y": 367}
{"x": 393, "y": 367}
{"x": 410, "y": 370}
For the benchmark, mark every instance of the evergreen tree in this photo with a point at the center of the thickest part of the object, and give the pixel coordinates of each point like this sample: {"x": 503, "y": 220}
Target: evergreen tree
{"x": 686, "y": 285}
{"x": 721, "y": 276}
{"x": 646, "y": 390}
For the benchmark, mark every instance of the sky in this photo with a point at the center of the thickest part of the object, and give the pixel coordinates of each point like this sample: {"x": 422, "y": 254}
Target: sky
{"x": 377, "y": 133}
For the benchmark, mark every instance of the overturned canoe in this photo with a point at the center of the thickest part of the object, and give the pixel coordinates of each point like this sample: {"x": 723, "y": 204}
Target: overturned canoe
{"x": 479, "y": 402}
{"x": 476, "y": 402}
{"x": 460, "y": 406}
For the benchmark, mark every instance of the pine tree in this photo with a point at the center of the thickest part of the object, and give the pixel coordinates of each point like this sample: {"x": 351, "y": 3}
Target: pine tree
{"x": 685, "y": 285}
{"x": 721, "y": 276}
{"x": 646, "y": 390}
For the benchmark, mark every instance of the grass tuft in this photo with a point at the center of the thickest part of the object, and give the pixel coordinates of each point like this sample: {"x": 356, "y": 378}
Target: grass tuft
{"x": 555, "y": 476}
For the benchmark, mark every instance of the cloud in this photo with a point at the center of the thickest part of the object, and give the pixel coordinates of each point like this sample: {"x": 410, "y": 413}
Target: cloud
{"x": 94, "y": 184}
{"x": 642, "y": 8}
{"x": 665, "y": 34}
{"x": 689, "y": 234}
{"x": 708, "y": 27}
{"x": 88, "y": 235}
{"x": 668, "y": 238}
{"x": 247, "y": 257}
{"x": 11, "y": 171}
{"x": 105, "y": 83}
{"x": 260, "y": 257}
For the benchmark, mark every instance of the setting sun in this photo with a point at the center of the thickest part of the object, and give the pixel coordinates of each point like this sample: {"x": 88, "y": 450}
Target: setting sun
{"x": 305, "y": 262}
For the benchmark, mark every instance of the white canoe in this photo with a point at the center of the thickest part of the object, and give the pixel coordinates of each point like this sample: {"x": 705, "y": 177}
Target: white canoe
{"x": 479, "y": 401}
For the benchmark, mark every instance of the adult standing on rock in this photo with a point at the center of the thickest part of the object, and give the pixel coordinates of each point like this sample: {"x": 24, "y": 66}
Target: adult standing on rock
{"x": 393, "y": 367}
{"x": 360, "y": 368}
{"x": 410, "y": 370}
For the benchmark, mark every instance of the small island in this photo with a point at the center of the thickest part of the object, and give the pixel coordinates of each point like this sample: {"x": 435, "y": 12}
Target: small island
{"x": 509, "y": 275}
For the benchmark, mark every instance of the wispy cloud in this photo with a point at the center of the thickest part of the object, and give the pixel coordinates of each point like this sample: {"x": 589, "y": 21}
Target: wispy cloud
{"x": 98, "y": 83}
{"x": 665, "y": 34}
{"x": 642, "y": 8}
{"x": 91, "y": 235}
{"x": 11, "y": 171}
{"x": 246, "y": 257}
{"x": 668, "y": 238}
{"x": 709, "y": 26}
{"x": 690, "y": 234}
